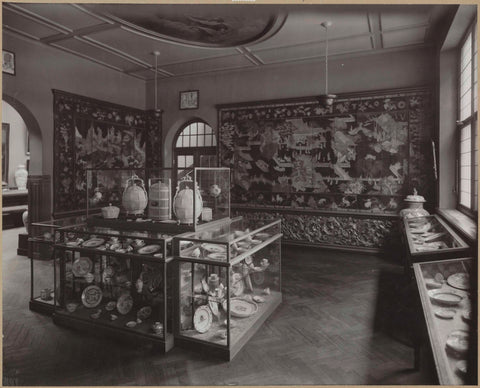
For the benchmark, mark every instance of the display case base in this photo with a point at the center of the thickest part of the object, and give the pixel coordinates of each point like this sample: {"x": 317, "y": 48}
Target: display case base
{"x": 117, "y": 333}
{"x": 212, "y": 349}
{"x": 41, "y": 307}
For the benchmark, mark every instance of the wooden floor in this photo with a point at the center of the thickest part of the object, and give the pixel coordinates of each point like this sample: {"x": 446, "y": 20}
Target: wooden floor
{"x": 344, "y": 320}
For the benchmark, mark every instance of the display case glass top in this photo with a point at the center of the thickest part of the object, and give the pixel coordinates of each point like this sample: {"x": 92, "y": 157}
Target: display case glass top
{"x": 163, "y": 199}
{"x": 430, "y": 234}
{"x": 447, "y": 296}
{"x": 228, "y": 242}
{"x": 105, "y": 240}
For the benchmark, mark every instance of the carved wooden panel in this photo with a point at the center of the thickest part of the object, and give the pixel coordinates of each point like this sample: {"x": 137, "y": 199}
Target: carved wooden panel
{"x": 332, "y": 230}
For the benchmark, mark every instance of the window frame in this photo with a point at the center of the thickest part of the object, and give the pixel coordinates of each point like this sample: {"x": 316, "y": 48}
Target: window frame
{"x": 195, "y": 151}
{"x": 471, "y": 120}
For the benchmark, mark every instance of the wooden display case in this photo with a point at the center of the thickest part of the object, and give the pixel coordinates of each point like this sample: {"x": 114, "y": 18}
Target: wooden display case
{"x": 430, "y": 238}
{"x": 114, "y": 282}
{"x": 228, "y": 283}
{"x": 446, "y": 294}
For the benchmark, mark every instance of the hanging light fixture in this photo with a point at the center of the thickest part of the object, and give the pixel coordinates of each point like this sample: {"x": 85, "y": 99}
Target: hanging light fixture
{"x": 326, "y": 99}
{"x": 157, "y": 110}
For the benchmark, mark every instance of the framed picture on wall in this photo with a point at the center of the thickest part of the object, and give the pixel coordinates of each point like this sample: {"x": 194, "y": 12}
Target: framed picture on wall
{"x": 8, "y": 64}
{"x": 5, "y": 142}
{"x": 189, "y": 99}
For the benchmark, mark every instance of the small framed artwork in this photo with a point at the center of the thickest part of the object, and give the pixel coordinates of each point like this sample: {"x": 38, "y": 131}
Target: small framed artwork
{"x": 189, "y": 99}
{"x": 8, "y": 62}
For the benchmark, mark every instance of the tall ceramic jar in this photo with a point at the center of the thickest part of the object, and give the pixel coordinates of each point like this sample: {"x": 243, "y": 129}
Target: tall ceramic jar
{"x": 21, "y": 177}
{"x": 183, "y": 204}
{"x": 134, "y": 199}
{"x": 414, "y": 206}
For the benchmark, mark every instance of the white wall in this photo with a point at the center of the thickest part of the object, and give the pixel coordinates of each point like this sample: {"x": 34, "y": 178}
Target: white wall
{"x": 17, "y": 140}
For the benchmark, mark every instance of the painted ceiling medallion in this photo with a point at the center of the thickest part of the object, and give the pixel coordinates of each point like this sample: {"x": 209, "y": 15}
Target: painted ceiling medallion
{"x": 198, "y": 25}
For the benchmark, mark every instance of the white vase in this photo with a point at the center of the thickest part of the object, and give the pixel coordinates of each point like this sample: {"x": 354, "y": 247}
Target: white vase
{"x": 21, "y": 177}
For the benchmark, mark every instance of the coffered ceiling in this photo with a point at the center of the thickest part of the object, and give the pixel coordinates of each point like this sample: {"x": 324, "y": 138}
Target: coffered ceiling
{"x": 198, "y": 39}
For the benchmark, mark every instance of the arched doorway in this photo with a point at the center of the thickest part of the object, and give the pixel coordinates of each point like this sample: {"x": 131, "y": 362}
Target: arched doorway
{"x": 15, "y": 145}
{"x": 195, "y": 145}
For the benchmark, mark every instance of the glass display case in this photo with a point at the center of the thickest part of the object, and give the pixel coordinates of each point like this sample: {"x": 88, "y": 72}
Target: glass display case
{"x": 446, "y": 293}
{"x": 115, "y": 282}
{"x": 430, "y": 238}
{"x": 164, "y": 199}
{"x": 229, "y": 282}
{"x": 41, "y": 246}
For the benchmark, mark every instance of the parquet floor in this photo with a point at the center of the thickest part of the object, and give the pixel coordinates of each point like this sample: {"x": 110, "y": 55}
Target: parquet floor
{"x": 344, "y": 320}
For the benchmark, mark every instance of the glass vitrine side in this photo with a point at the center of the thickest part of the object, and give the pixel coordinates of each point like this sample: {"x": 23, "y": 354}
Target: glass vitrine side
{"x": 221, "y": 302}
{"x": 430, "y": 238}
{"x": 447, "y": 294}
{"x": 41, "y": 251}
{"x": 115, "y": 281}
{"x": 160, "y": 199}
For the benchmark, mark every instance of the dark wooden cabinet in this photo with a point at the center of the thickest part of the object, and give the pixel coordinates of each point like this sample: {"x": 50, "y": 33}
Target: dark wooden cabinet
{"x": 14, "y": 203}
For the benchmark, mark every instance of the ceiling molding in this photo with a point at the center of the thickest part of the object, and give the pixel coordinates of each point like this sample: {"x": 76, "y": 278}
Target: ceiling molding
{"x": 79, "y": 32}
{"x": 117, "y": 45}
{"x": 36, "y": 18}
{"x": 358, "y": 54}
{"x": 21, "y": 33}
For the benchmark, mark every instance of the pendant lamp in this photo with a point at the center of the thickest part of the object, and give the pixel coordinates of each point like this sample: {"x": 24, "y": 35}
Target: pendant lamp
{"x": 326, "y": 99}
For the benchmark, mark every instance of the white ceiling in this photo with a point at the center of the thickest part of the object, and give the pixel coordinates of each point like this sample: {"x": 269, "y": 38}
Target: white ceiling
{"x": 356, "y": 29}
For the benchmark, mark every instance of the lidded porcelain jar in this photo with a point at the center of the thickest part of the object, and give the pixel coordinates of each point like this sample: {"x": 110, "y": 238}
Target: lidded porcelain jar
{"x": 21, "y": 177}
{"x": 183, "y": 204}
{"x": 134, "y": 198}
{"x": 414, "y": 206}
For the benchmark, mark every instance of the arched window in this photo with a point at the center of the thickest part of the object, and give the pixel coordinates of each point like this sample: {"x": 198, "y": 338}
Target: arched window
{"x": 195, "y": 146}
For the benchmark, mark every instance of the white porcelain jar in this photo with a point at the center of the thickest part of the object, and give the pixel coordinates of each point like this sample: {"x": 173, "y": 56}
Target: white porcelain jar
{"x": 21, "y": 177}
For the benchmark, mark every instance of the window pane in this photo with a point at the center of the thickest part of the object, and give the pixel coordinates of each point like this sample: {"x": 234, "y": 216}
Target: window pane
{"x": 465, "y": 112}
{"x": 201, "y": 128}
{"x": 189, "y": 161}
{"x": 465, "y": 133}
{"x": 181, "y": 161}
{"x": 193, "y": 141}
{"x": 466, "y": 51}
{"x": 193, "y": 129}
{"x": 214, "y": 141}
{"x": 465, "y": 199}
{"x": 200, "y": 141}
{"x": 466, "y": 172}
{"x": 208, "y": 140}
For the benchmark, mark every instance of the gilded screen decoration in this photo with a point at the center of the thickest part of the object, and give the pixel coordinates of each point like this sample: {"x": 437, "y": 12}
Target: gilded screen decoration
{"x": 362, "y": 154}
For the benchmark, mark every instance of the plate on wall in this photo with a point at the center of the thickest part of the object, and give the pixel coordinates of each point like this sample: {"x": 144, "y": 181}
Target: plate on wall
{"x": 92, "y": 296}
{"x": 93, "y": 243}
{"x": 82, "y": 266}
